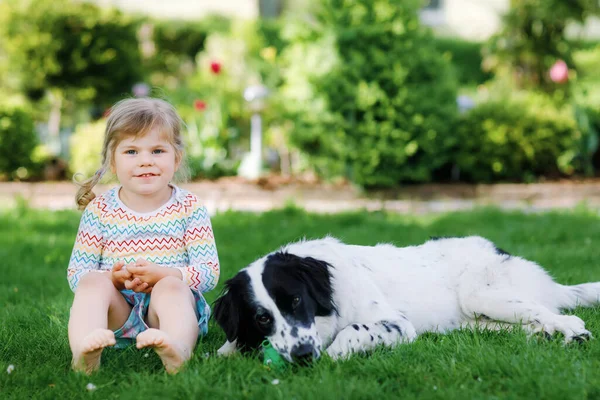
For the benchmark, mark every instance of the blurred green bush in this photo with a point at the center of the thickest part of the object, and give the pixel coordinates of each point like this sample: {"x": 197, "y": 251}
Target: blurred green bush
{"x": 170, "y": 47}
{"x": 533, "y": 37}
{"x": 518, "y": 138}
{"x": 85, "y": 52}
{"x": 372, "y": 97}
{"x": 85, "y": 147}
{"x": 18, "y": 140}
{"x": 466, "y": 59}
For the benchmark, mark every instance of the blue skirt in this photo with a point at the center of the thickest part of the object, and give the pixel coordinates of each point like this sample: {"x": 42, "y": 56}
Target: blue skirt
{"x": 136, "y": 323}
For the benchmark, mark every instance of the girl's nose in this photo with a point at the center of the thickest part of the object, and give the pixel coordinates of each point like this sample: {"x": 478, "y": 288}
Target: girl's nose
{"x": 145, "y": 159}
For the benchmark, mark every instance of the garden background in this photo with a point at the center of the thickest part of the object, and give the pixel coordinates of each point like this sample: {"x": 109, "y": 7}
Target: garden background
{"x": 368, "y": 102}
{"x": 359, "y": 91}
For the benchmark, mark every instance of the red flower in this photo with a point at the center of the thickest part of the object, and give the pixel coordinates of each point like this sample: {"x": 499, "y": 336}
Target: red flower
{"x": 199, "y": 105}
{"x": 215, "y": 67}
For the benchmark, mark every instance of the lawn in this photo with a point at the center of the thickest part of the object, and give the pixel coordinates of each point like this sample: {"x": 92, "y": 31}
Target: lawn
{"x": 34, "y": 301}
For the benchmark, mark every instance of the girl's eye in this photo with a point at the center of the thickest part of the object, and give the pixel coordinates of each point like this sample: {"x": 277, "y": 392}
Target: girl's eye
{"x": 158, "y": 151}
{"x": 130, "y": 152}
{"x": 296, "y": 301}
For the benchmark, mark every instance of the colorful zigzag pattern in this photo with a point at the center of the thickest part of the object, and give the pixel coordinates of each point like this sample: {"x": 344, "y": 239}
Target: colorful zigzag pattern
{"x": 178, "y": 235}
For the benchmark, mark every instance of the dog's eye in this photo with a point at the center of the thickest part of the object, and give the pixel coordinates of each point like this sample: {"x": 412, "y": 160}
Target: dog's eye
{"x": 296, "y": 301}
{"x": 263, "y": 319}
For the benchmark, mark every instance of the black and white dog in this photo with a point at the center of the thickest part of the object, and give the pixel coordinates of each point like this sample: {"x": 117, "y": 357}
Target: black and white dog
{"x": 322, "y": 294}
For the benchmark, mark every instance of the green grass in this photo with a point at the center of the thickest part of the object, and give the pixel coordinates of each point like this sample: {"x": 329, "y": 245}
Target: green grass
{"x": 34, "y": 301}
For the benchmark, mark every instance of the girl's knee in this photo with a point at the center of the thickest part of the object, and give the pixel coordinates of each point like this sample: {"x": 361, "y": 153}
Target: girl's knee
{"x": 95, "y": 280}
{"x": 170, "y": 283}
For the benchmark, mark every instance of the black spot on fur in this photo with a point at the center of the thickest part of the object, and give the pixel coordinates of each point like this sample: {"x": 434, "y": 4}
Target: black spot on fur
{"x": 435, "y": 238}
{"x": 396, "y": 328}
{"x": 385, "y": 325}
{"x": 372, "y": 338}
{"x": 294, "y": 331}
{"x": 366, "y": 327}
{"x": 501, "y": 252}
{"x": 356, "y": 327}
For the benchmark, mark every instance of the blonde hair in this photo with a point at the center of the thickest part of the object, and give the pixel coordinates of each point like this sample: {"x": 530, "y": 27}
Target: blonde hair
{"x": 134, "y": 118}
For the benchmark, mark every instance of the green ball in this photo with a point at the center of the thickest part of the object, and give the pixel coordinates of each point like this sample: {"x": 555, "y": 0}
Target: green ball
{"x": 271, "y": 358}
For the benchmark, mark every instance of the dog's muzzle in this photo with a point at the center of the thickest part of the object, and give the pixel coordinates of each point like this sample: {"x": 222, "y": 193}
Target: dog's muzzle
{"x": 304, "y": 353}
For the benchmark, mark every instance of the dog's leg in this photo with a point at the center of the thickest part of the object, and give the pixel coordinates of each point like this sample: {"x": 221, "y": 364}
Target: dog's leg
{"x": 504, "y": 306}
{"x": 360, "y": 338}
{"x": 228, "y": 348}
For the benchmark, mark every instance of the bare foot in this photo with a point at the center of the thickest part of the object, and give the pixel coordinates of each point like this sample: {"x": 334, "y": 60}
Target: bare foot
{"x": 170, "y": 352}
{"x": 87, "y": 360}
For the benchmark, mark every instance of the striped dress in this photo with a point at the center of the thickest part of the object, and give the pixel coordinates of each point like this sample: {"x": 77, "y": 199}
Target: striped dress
{"x": 177, "y": 235}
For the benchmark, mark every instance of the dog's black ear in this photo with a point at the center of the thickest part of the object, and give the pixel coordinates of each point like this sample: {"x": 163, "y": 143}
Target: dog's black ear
{"x": 226, "y": 309}
{"x": 315, "y": 274}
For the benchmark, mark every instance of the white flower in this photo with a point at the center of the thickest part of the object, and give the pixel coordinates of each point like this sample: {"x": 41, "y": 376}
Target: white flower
{"x": 10, "y": 369}
{"x": 275, "y": 382}
{"x": 90, "y": 387}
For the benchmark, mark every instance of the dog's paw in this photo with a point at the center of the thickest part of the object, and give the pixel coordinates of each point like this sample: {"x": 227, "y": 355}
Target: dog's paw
{"x": 571, "y": 326}
{"x": 345, "y": 344}
{"x": 227, "y": 349}
{"x": 581, "y": 338}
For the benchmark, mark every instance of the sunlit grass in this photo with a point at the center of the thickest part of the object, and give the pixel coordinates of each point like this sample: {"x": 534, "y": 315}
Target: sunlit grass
{"x": 34, "y": 302}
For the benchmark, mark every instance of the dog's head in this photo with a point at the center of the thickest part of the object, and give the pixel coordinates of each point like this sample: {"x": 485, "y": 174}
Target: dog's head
{"x": 277, "y": 298}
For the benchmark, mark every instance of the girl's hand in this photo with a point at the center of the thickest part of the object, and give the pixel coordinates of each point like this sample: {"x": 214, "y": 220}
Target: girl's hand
{"x": 137, "y": 285}
{"x": 119, "y": 275}
{"x": 150, "y": 273}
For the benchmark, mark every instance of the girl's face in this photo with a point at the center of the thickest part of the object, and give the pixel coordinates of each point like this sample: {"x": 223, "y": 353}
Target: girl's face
{"x": 145, "y": 166}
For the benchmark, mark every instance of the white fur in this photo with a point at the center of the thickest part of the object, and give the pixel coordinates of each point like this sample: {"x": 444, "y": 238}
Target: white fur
{"x": 438, "y": 286}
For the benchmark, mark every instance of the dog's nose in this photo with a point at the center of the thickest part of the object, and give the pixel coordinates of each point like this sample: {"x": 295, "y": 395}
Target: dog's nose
{"x": 303, "y": 352}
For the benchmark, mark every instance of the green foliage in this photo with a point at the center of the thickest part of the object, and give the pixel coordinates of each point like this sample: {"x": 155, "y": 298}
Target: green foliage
{"x": 533, "y": 38}
{"x": 85, "y": 148}
{"x": 212, "y": 103}
{"x": 17, "y": 143}
{"x": 516, "y": 139}
{"x": 270, "y": 30}
{"x": 371, "y": 96}
{"x": 72, "y": 46}
{"x": 175, "y": 45}
{"x": 466, "y": 59}
{"x": 587, "y": 153}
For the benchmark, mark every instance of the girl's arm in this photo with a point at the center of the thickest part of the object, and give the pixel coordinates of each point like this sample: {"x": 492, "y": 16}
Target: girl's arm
{"x": 203, "y": 271}
{"x": 88, "y": 246}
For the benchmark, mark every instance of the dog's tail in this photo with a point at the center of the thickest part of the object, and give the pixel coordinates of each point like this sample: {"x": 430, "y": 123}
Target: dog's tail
{"x": 585, "y": 294}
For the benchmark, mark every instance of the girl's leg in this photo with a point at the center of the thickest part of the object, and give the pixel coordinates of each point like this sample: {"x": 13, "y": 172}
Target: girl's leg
{"x": 98, "y": 309}
{"x": 173, "y": 322}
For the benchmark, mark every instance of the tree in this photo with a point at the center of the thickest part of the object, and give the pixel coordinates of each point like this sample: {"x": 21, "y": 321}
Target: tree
{"x": 533, "y": 38}
{"x": 70, "y": 50}
{"x": 372, "y": 97}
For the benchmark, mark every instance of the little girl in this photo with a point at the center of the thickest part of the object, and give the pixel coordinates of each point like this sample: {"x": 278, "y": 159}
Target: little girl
{"x": 145, "y": 250}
